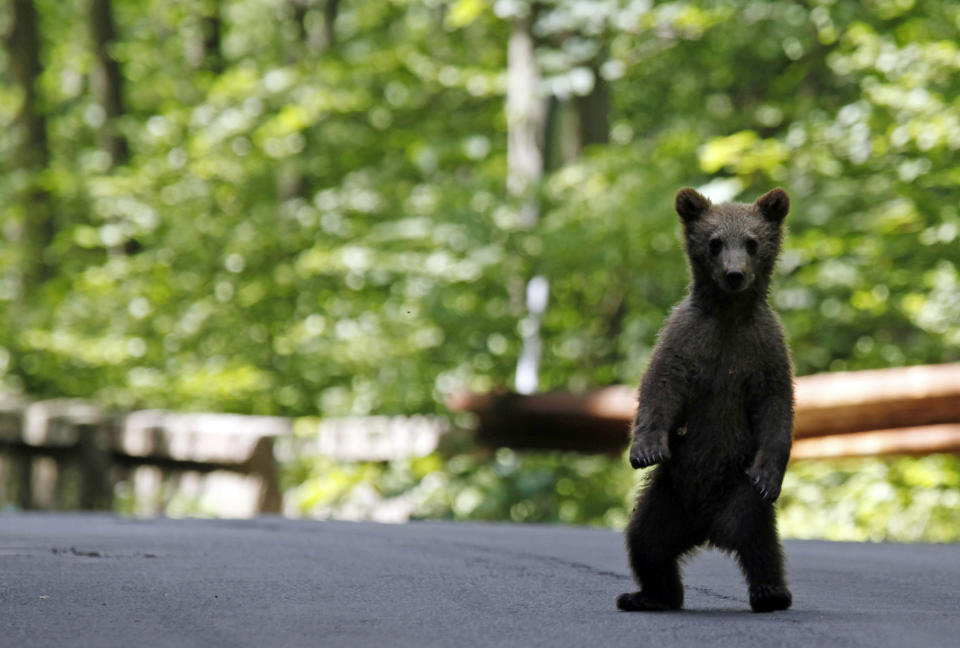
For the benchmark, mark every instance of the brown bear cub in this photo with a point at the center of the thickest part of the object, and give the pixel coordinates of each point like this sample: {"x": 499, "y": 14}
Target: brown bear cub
{"x": 715, "y": 411}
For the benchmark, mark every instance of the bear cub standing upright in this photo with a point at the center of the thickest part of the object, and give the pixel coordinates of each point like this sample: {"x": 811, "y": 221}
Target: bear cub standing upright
{"x": 716, "y": 411}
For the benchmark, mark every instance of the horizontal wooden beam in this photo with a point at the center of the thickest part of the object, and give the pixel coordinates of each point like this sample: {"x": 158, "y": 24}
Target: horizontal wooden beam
{"x": 922, "y": 440}
{"x": 826, "y": 405}
{"x": 617, "y": 403}
{"x": 853, "y": 401}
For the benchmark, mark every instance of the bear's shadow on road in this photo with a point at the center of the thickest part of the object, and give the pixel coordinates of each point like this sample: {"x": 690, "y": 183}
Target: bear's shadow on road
{"x": 741, "y": 615}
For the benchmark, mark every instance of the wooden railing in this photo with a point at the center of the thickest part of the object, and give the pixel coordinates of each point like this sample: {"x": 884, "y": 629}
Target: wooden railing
{"x": 66, "y": 454}
{"x": 908, "y": 410}
{"x": 72, "y": 454}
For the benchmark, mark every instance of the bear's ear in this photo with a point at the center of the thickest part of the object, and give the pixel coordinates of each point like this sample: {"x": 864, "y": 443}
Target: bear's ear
{"x": 691, "y": 205}
{"x": 774, "y": 205}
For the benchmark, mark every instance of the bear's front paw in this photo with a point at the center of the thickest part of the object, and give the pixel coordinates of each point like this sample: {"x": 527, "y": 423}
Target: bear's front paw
{"x": 765, "y": 480}
{"x": 649, "y": 448}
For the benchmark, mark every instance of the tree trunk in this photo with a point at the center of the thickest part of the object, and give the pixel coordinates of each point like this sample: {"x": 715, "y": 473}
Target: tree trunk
{"x": 23, "y": 46}
{"x": 526, "y": 115}
{"x": 593, "y": 113}
{"x": 330, "y": 8}
{"x": 526, "y": 120}
{"x": 212, "y": 27}
{"x": 32, "y": 151}
{"x": 108, "y": 81}
{"x": 203, "y": 50}
{"x": 317, "y": 40}
{"x": 300, "y": 10}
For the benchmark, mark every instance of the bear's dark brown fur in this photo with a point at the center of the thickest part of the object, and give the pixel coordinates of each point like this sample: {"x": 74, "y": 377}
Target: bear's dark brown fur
{"x": 716, "y": 411}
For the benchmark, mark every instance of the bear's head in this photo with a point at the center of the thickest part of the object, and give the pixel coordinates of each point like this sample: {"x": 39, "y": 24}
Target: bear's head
{"x": 733, "y": 246}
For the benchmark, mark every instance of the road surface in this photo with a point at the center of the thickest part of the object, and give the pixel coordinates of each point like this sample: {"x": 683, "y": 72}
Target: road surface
{"x": 98, "y": 580}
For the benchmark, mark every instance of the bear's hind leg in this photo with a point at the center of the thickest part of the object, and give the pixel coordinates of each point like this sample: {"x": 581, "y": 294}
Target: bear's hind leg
{"x": 746, "y": 525}
{"x": 657, "y": 536}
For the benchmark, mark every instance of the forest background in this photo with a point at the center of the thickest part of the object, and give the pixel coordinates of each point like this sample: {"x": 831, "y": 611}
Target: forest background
{"x": 307, "y": 208}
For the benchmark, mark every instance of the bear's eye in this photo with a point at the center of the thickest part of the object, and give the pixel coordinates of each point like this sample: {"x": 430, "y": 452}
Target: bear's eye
{"x": 751, "y": 246}
{"x": 715, "y": 246}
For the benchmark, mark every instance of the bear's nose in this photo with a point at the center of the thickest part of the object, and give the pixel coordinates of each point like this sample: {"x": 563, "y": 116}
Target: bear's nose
{"x": 734, "y": 279}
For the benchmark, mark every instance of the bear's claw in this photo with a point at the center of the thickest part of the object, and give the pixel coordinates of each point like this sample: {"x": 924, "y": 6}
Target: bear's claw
{"x": 649, "y": 447}
{"x": 766, "y": 483}
{"x": 647, "y": 458}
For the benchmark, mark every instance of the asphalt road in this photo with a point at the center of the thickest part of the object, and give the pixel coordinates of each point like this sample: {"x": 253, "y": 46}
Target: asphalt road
{"x": 84, "y": 580}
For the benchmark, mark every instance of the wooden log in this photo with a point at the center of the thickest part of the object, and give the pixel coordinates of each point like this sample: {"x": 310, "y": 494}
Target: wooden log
{"x": 594, "y": 422}
{"x": 615, "y": 403}
{"x": 827, "y": 404}
{"x": 921, "y": 440}
{"x": 853, "y": 401}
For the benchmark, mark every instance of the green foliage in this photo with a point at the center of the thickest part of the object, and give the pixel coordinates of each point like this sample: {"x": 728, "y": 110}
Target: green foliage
{"x": 304, "y": 234}
{"x": 504, "y": 485}
{"x": 903, "y": 499}
{"x": 304, "y": 231}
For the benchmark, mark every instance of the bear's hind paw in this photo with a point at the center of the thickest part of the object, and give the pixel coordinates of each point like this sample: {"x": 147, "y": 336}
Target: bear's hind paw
{"x": 769, "y": 598}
